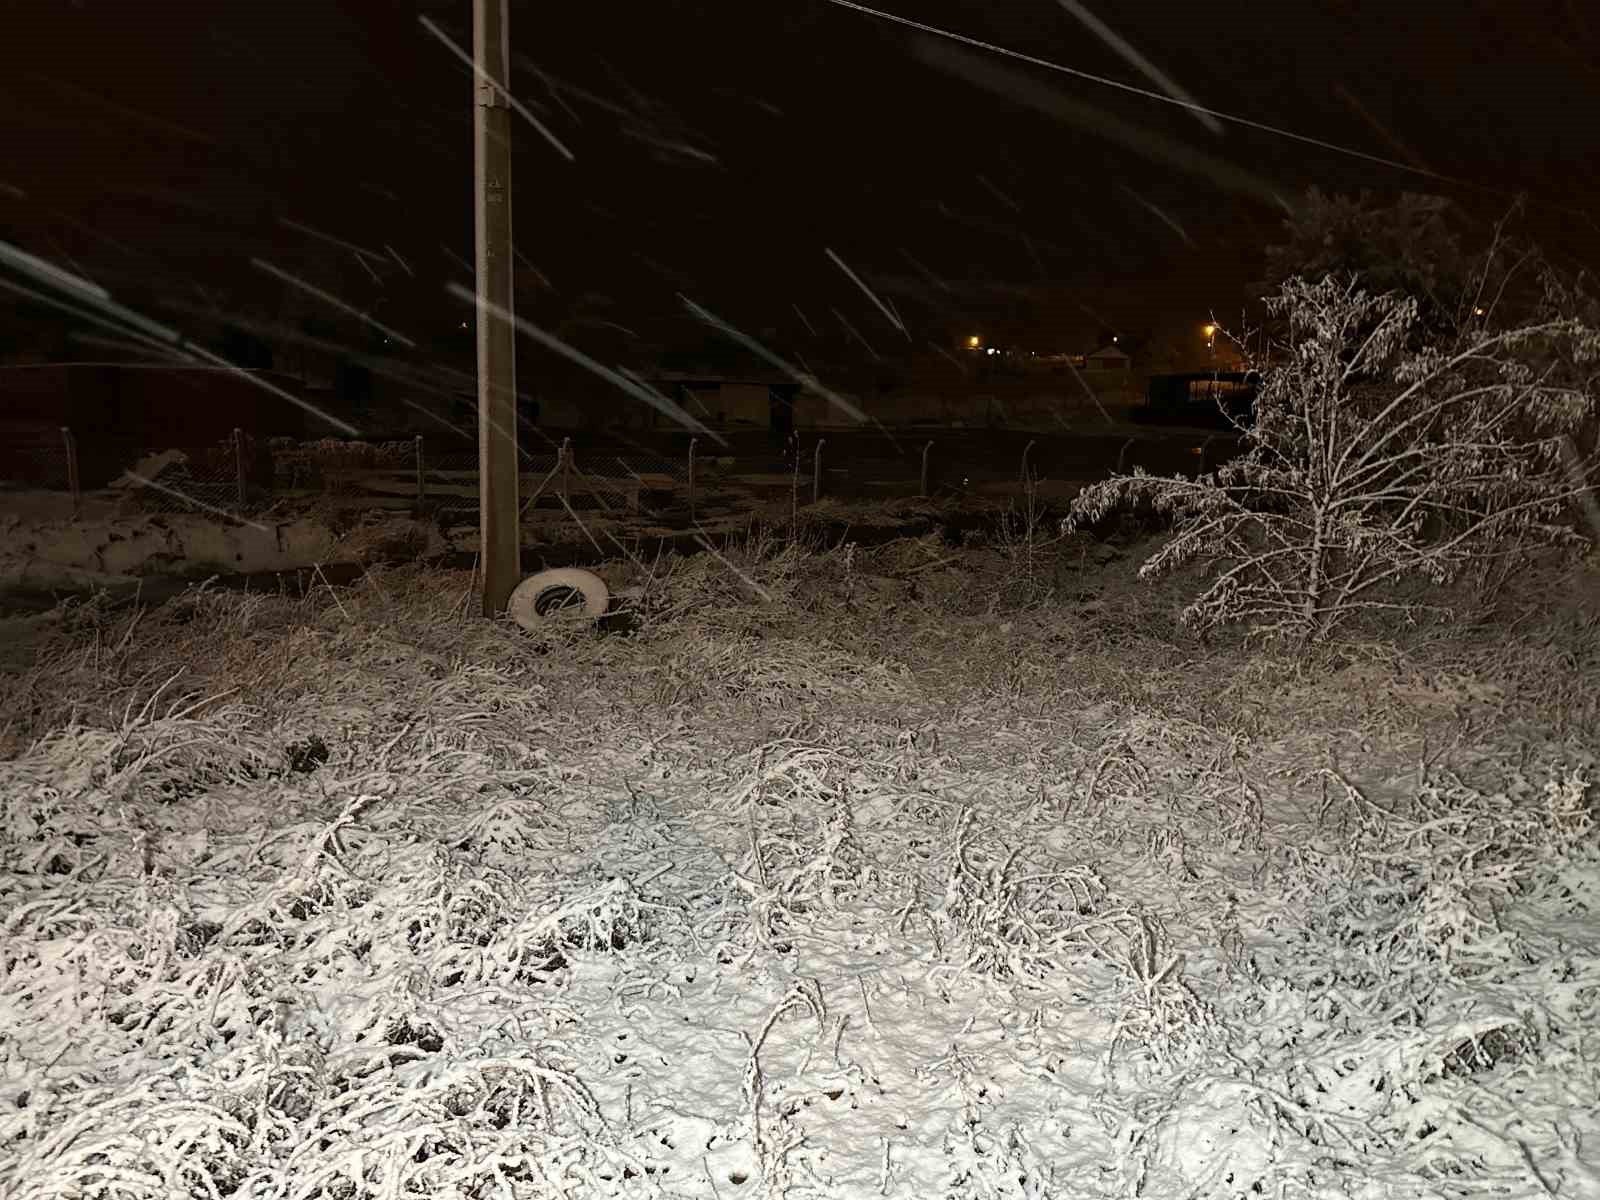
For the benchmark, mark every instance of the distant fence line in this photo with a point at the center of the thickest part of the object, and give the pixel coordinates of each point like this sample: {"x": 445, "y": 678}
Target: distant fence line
{"x": 246, "y": 476}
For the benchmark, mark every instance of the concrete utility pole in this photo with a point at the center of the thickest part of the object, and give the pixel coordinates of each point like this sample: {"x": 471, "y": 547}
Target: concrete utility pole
{"x": 498, "y": 510}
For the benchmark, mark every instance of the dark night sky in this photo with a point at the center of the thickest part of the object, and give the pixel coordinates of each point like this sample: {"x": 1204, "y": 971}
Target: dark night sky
{"x": 722, "y": 144}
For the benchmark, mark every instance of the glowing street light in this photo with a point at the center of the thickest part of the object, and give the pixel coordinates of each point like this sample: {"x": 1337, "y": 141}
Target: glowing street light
{"x": 974, "y": 342}
{"x": 1211, "y": 331}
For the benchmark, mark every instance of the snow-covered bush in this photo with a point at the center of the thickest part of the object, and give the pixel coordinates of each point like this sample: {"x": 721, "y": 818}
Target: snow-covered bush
{"x": 1378, "y": 461}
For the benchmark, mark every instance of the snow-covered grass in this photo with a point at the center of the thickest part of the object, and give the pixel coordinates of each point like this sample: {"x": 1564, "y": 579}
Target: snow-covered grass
{"x": 852, "y": 872}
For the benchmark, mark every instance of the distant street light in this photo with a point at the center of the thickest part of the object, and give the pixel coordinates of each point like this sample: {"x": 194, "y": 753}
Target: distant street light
{"x": 974, "y": 342}
{"x": 1211, "y": 331}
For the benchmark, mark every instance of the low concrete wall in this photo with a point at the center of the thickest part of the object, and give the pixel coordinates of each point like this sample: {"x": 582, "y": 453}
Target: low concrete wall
{"x": 40, "y": 551}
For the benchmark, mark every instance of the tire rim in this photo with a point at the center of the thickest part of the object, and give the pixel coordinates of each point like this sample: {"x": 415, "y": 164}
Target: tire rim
{"x": 558, "y": 599}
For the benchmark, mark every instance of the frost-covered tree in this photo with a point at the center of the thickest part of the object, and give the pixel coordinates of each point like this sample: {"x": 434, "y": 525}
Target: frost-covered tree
{"x": 1378, "y": 458}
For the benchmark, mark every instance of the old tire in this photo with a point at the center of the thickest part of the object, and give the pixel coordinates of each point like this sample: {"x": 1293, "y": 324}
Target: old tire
{"x": 566, "y": 593}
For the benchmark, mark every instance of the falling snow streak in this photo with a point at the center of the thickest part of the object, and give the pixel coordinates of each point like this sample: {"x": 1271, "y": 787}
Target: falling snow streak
{"x": 328, "y": 298}
{"x": 165, "y": 350}
{"x": 668, "y": 147}
{"x": 157, "y": 124}
{"x": 1395, "y": 144}
{"x": 90, "y": 232}
{"x": 163, "y": 356}
{"x": 617, "y": 378}
{"x": 61, "y": 252}
{"x": 924, "y": 272}
{"x": 404, "y": 266}
{"x": 1161, "y": 216}
{"x": 856, "y": 333}
{"x": 560, "y": 102}
{"x": 431, "y": 378}
{"x": 807, "y": 378}
{"x": 556, "y": 85}
{"x": 379, "y": 190}
{"x": 164, "y": 346}
{"x": 533, "y": 270}
{"x": 934, "y": 32}
{"x": 96, "y": 297}
{"x": 705, "y": 544}
{"x": 179, "y": 494}
{"x": 50, "y": 274}
{"x": 999, "y": 195}
{"x": 676, "y": 277}
{"x": 1089, "y": 391}
{"x": 274, "y": 389}
{"x": 1029, "y": 92}
{"x": 329, "y": 238}
{"x": 871, "y": 295}
{"x": 516, "y": 105}
{"x": 599, "y": 324}
{"x": 812, "y": 329}
{"x": 173, "y": 346}
{"x": 1144, "y": 66}
{"x": 119, "y": 319}
{"x": 938, "y": 349}
{"x": 895, "y": 309}
{"x": 996, "y": 228}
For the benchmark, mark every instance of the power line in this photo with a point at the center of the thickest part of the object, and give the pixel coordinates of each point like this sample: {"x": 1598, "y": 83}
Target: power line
{"x": 1191, "y": 106}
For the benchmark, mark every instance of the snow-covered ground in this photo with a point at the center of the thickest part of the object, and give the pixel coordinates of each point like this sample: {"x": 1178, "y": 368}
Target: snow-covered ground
{"x": 903, "y": 871}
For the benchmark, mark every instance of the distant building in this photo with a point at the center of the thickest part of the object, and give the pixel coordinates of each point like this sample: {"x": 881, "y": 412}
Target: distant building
{"x": 724, "y": 386}
{"x": 1107, "y": 358}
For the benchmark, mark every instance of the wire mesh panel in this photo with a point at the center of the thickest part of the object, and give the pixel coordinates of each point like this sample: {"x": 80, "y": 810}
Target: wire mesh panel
{"x": 36, "y": 457}
{"x": 450, "y": 481}
{"x": 212, "y": 479}
{"x": 246, "y": 474}
{"x": 549, "y": 475}
{"x": 370, "y": 474}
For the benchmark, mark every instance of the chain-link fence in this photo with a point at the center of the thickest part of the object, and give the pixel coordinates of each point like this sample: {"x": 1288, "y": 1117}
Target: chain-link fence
{"x": 228, "y": 478}
{"x": 43, "y": 458}
{"x": 563, "y": 476}
{"x": 245, "y": 477}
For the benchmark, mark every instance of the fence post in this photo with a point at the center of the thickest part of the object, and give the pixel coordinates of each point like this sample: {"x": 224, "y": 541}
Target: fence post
{"x": 239, "y": 466}
{"x": 422, "y": 488}
{"x": 566, "y": 470}
{"x": 925, "y": 450}
{"x": 692, "y": 443}
{"x": 1026, "y": 450}
{"x": 816, "y": 471}
{"x": 1202, "y": 451}
{"x": 1122, "y": 454}
{"x": 72, "y": 470}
